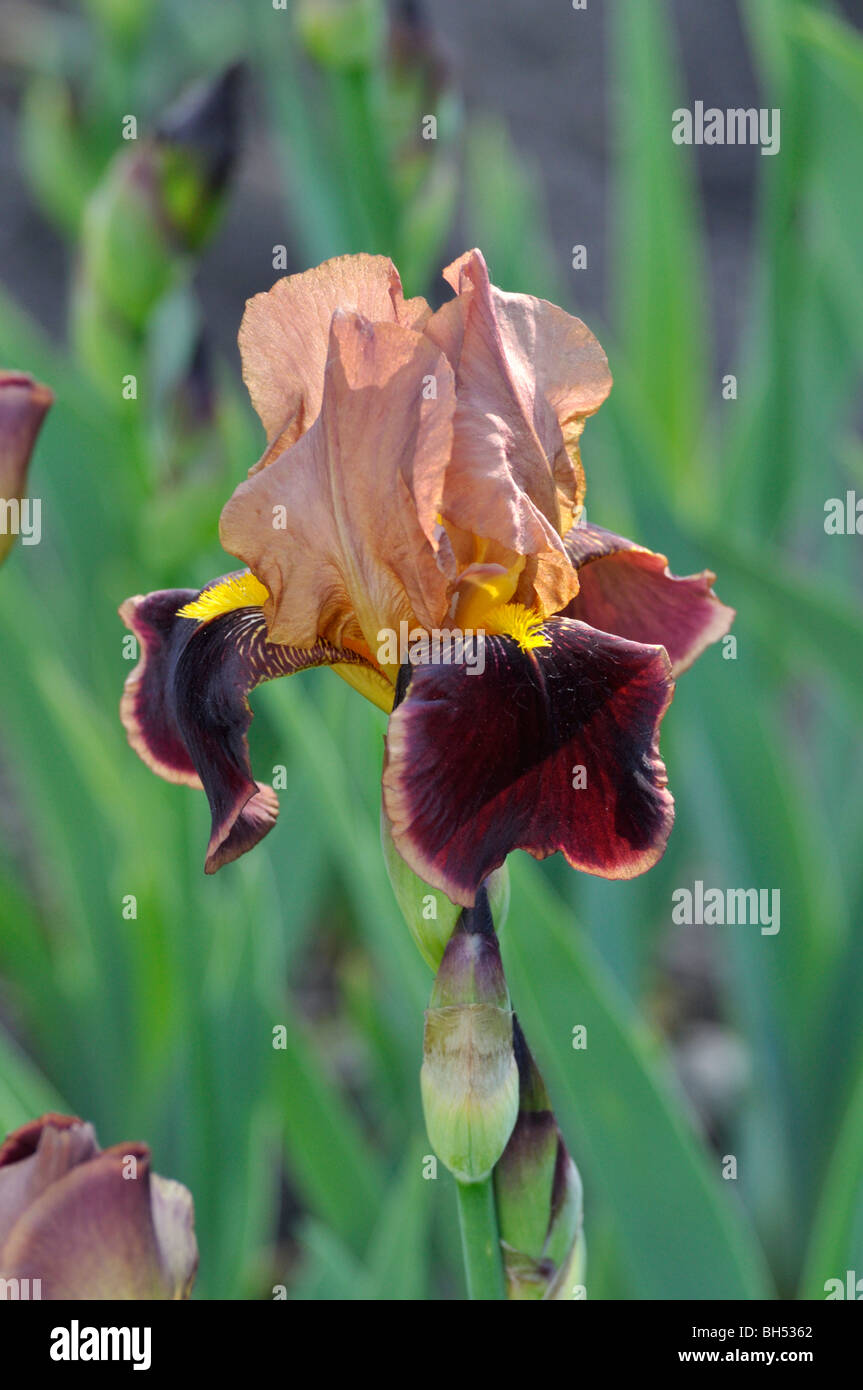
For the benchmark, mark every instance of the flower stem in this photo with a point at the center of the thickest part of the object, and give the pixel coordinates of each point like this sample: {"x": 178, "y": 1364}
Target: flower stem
{"x": 480, "y": 1242}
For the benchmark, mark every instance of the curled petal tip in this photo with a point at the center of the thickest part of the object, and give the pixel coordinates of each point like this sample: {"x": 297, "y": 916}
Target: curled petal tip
{"x": 91, "y": 1224}
{"x": 629, "y": 591}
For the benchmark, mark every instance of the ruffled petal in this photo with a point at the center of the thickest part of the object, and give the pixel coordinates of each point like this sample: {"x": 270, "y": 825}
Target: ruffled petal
{"x": 630, "y": 591}
{"x": 285, "y": 334}
{"x": 186, "y": 711}
{"x": 550, "y": 749}
{"x": 343, "y": 528}
{"x": 527, "y": 376}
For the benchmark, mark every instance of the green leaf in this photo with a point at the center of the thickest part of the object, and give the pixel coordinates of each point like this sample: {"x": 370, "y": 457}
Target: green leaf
{"x": 398, "y": 1254}
{"x": 336, "y": 1170}
{"x": 683, "y": 1236}
{"x": 659, "y": 317}
{"x": 24, "y": 1092}
{"x": 837, "y": 1236}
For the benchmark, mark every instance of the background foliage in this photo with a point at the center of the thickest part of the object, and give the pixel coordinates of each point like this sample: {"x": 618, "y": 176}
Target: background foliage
{"x": 305, "y": 1164}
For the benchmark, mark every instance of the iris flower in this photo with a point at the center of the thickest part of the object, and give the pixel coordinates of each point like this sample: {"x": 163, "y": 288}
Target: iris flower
{"x": 424, "y": 469}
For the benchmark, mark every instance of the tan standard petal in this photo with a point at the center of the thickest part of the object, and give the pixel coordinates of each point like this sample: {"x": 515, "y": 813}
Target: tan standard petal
{"x": 285, "y": 332}
{"x": 343, "y": 528}
{"x": 527, "y": 376}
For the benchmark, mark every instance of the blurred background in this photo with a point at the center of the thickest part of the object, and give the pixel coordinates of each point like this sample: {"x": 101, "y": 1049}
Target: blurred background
{"x": 142, "y": 995}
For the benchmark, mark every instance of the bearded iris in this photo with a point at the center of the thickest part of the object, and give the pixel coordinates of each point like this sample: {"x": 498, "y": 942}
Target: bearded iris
{"x": 424, "y": 468}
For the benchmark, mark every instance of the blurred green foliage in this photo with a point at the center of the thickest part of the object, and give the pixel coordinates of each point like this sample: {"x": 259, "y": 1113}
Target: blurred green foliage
{"x": 305, "y": 1162}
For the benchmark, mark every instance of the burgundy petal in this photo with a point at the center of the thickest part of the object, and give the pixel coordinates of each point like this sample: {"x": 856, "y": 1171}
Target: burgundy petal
{"x": 186, "y": 710}
{"x": 23, "y": 406}
{"x": 23, "y": 1142}
{"x": 89, "y": 1224}
{"x": 629, "y": 591}
{"x": 481, "y": 764}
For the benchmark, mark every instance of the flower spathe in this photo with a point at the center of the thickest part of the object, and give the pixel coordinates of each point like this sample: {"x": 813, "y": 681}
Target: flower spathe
{"x": 424, "y": 469}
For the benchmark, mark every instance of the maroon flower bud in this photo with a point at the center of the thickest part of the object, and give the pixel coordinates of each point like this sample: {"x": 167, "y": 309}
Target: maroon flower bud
{"x": 79, "y": 1222}
{"x": 23, "y": 406}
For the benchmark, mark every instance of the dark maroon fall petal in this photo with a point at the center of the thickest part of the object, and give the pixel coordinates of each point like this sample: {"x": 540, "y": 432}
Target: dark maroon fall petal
{"x": 478, "y": 765}
{"x": 630, "y": 592}
{"x": 78, "y": 1222}
{"x": 186, "y": 711}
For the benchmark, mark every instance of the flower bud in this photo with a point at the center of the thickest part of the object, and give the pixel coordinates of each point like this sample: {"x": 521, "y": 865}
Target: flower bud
{"x": 127, "y": 258}
{"x": 85, "y": 1223}
{"x": 23, "y": 406}
{"x": 469, "y": 1077}
{"x": 538, "y": 1195}
{"x": 156, "y": 202}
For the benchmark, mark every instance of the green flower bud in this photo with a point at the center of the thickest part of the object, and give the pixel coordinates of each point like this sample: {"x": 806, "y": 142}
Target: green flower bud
{"x": 538, "y": 1195}
{"x": 469, "y": 1084}
{"x": 469, "y": 1077}
{"x": 127, "y": 256}
{"x": 155, "y": 204}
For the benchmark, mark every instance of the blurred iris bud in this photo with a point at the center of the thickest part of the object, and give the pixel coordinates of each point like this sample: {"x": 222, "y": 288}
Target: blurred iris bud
{"x": 23, "y": 406}
{"x": 196, "y": 143}
{"x": 469, "y": 1077}
{"x": 415, "y": 53}
{"x": 155, "y": 204}
{"x": 88, "y": 1223}
{"x": 430, "y": 914}
{"x": 124, "y": 20}
{"x": 538, "y": 1194}
{"x": 128, "y": 256}
{"x": 160, "y": 199}
{"x": 342, "y": 33}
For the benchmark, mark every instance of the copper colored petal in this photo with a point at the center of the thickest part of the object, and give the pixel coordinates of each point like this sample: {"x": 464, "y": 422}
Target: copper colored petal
{"x": 285, "y": 334}
{"x": 527, "y": 376}
{"x": 343, "y": 528}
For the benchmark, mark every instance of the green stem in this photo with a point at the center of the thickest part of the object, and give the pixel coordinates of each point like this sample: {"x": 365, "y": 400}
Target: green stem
{"x": 480, "y": 1241}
